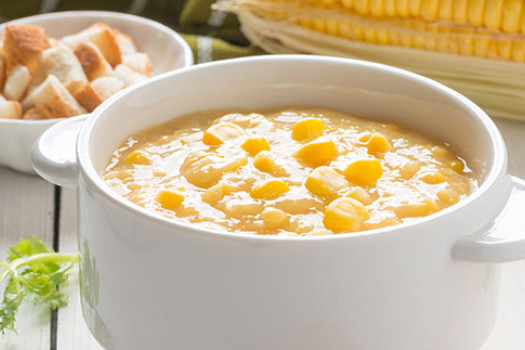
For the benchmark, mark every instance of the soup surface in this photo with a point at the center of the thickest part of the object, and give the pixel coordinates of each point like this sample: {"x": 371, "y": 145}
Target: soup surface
{"x": 292, "y": 171}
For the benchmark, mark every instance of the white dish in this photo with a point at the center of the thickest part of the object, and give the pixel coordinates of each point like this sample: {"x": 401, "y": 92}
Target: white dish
{"x": 166, "y": 49}
{"x": 148, "y": 281}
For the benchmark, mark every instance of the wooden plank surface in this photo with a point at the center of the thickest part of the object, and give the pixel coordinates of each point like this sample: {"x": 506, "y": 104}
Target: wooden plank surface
{"x": 26, "y": 207}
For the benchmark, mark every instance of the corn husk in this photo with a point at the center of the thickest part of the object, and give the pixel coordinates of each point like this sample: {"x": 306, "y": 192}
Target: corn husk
{"x": 497, "y": 85}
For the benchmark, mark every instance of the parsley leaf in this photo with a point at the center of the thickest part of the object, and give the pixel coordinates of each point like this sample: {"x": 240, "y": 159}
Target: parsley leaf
{"x": 32, "y": 272}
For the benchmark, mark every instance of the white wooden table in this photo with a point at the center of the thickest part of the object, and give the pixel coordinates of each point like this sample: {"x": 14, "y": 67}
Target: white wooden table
{"x": 29, "y": 205}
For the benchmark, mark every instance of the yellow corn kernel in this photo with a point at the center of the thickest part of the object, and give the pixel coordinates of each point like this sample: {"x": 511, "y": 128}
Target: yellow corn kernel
{"x": 364, "y": 171}
{"x": 218, "y": 133}
{"x": 241, "y": 209}
{"x": 432, "y": 178}
{"x": 269, "y": 189}
{"x": 345, "y": 214}
{"x": 216, "y": 193}
{"x": 318, "y": 152}
{"x": 325, "y": 181}
{"x": 362, "y": 6}
{"x": 360, "y": 194}
{"x": 493, "y": 15}
{"x": 138, "y": 157}
{"x": 409, "y": 169}
{"x": 457, "y": 166}
{"x": 169, "y": 200}
{"x": 423, "y": 208}
{"x": 448, "y": 196}
{"x": 348, "y": 4}
{"x": 414, "y": 7}
{"x": 518, "y": 49}
{"x": 265, "y": 163}
{"x": 445, "y": 9}
{"x": 332, "y": 27}
{"x": 376, "y": 143}
{"x": 255, "y": 145}
{"x": 377, "y": 8}
{"x": 460, "y": 10}
{"x": 206, "y": 169}
{"x": 274, "y": 218}
{"x": 307, "y": 129}
{"x": 403, "y": 8}
{"x": 511, "y": 15}
{"x": 475, "y": 12}
{"x": 429, "y": 9}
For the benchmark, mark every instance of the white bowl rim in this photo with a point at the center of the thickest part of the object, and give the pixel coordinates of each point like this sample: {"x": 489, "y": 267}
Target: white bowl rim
{"x": 495, "y": 172}
{"x": 96, "y": 15}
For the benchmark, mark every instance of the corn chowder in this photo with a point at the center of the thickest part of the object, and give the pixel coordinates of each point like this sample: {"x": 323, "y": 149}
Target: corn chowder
{"x": 306, "y": 171}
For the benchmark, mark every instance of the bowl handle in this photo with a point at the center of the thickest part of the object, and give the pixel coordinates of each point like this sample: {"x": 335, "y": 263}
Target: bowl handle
{"x": 505, "y": 241}
{"x": 54, "y": 153}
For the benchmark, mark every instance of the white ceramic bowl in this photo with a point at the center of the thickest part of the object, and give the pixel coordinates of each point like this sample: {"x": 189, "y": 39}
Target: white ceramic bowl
{"x": 148, "y": 282}
{"x": 166, "y": 49}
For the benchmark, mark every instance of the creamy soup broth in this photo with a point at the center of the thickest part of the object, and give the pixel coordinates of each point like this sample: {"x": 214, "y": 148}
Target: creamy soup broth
{"x": 292, "y": 171}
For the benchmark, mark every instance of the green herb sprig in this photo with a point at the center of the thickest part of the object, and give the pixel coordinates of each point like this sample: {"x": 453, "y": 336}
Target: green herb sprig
{"x": 32, "y": 272}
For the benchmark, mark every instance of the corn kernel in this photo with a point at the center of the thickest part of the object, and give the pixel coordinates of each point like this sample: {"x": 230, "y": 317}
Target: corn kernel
{"x": 274, "y": 218}
{"x": 206, "y": 169}
{"x": 219, "y": 133}
{"x": 255, "y": 145}
{"x": 169, "y": 200}
{"x": 138, "y": 157}
{"x": 432, "y": 178}
{"x": 325, "y": 181}
{"x": 269, "y": 189}
{"x": 364, "y": 171}
{"x": 345, "y": 214}
{"x": 376, "y": 143}
{"x": 423, "y": 208}
{"x": 240, "y": 210}
{"x": 318, "y": 152}
{"x": 448, "y": 196}
{"x": 216, "y": 193}
{"x": 265, "y": 163}
{"x": 360, "y": 194}
{"x": 457, "y": 166}
{"x": 409, "y": 169}
{"x": 307, "y": 129}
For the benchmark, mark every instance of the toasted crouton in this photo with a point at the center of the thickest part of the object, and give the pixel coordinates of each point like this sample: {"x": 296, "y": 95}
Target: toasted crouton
{"x": 17, "y": 83}
{"x": 61, "y": 62}
{"x": 139, "y": 62}
{"x": 53, "y": 99}
{"x": 10, "y": 109}
{"x": 92, "y": 61}
{"x": 2, "y": 72}
{"x": 23, "y": 44}
{"x": 27, "y": 102}
{"x": 107, "y": 86}
{"x": 88, "y": 98}
{"x": 125, "y": 43}
{"x": 102, "y": 36}
{"x": 34, "y": 113}
{"x": 127, "y": 75}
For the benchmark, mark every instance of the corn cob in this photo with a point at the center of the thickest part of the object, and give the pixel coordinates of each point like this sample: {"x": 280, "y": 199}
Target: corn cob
{"x": 474, "y": 46}
{"x": 484, "y": 28}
